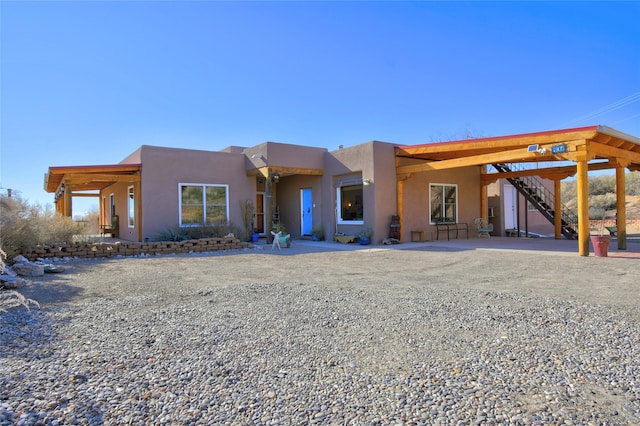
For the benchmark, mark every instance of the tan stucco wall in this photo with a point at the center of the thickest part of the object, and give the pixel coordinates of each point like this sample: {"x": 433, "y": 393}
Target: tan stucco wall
{"x": 134, "y": 157}
{"x": 163, "y": 169}
{"x": 285, "y": 155}
{"x": 293, "y": 163}
{"x": 416, "y": 199}
{"x": 288, "y": 198}
{"x": 374, "y": 162}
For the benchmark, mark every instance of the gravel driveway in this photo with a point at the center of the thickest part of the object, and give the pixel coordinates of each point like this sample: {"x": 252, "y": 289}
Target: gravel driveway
{"x": 425, "y": 335}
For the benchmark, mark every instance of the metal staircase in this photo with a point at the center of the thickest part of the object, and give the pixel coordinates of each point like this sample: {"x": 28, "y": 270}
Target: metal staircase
{"x": 534, "y": 191}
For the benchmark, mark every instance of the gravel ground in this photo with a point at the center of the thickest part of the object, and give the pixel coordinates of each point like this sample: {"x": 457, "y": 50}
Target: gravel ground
{"x": 307, "y": 336}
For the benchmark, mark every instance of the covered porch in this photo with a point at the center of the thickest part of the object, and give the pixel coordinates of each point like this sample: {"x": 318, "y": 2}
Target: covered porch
{"x": 589, "y": 148}
{"x": 67, "y": 182}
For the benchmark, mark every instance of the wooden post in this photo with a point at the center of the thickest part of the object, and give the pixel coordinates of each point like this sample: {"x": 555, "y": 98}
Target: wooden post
{"x": 583, "y": 207}
{"x": 268, "y": 206}
{"x": 517, "y": 212}
{"x": 400, "y": 201}
{"x": 67, "y": 199}
{"x": 484, "y": 210}
{"x": 621, "y": 211}
{"x": 557, "y": 206}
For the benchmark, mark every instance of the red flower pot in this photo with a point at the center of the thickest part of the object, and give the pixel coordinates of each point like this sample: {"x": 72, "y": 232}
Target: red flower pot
{"x": 600, "y": 245}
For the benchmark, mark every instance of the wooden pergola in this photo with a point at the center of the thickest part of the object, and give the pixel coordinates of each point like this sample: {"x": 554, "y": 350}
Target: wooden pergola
{"x": 88, "y": 181}
{"x": 591, "y": 148}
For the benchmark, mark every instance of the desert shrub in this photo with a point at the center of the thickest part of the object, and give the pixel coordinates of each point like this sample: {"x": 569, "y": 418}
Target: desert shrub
{"x": 178, "y": 233}
{"x": 87, "y": 238}
{"x": 632, "y": 183}
{"x": 173, "y": 234}
{"x": 602, "y": 184}
{"x": 92, "y": 222}
{"x": 599, "y": 204}
{"x": 602, "y": 191}
{"x": 25, "y": 226}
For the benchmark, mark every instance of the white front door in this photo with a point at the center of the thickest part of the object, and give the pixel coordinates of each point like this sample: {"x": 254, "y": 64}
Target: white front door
{"x": 509, "y": 206}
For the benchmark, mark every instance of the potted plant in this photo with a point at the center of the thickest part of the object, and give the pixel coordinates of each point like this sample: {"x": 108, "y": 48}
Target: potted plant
{"x": 601, "y": 242}
{"x": 364, "y": 236}
{"x": 285, "y": 238}
{"x": 317, "y": 233}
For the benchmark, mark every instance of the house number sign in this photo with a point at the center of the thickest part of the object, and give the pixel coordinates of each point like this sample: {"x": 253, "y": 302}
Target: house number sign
{"x": 557, "y": 149}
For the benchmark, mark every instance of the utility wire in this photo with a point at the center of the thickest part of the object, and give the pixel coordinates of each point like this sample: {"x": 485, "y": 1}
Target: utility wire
{"x": 625, "y": 119}
{"x": 605, "y": 109}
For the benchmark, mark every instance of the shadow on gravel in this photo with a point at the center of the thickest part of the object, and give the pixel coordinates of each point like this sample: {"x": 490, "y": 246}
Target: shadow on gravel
{"x": 50, "y": 290}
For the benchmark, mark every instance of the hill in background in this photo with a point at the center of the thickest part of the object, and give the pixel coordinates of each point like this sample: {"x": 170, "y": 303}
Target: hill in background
{"x": 602, "y": 195}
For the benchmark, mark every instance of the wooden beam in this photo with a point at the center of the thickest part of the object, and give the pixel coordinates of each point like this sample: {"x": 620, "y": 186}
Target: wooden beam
{"x": 85, "y": 194}
{"x": 284, "y": 171}
{"x": 489, "y": 178}
{"x": 296, "y": 171}
{"x": 520, "y": 154}
{"x": 621, "y": 209}
{"x": 56, "y": 175}
{"x": 619, "y": 162}
{"x": 611, "y": 152}
{"x": 552, "y": 173}
{"x": 575, "y": 148}
{"x": 109, "y": 168}
{"x": 583, "y": 208}
{"x": 498, "y": 144}
{"x": 580, "y": 154}
{"x": 82, "y": 179}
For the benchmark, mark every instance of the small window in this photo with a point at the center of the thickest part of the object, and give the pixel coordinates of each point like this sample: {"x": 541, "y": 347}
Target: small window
{"x": 112, "y": 207}
{"x": 202, "y": 204}
{"x": 350, "y": 204}
{"x": 131, "y": 203}
{"x": 443, "y": 203}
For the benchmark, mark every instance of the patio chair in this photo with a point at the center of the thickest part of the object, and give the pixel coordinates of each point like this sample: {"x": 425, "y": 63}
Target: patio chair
{"x": 483, "y": 227}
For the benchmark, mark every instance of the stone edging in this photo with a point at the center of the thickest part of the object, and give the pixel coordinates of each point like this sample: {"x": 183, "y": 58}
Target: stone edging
{"x": 125, "y": 248}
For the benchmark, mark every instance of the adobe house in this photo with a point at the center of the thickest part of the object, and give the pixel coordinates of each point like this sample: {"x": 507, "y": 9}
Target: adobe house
{"x": 425, "y": 187}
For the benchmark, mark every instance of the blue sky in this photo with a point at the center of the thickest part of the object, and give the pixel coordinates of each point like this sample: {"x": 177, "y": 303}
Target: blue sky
{"x": 88, "y": 82}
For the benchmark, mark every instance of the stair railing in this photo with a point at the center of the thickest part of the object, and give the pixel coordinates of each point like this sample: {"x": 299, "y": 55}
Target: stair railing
{"x": 538, "y": 195}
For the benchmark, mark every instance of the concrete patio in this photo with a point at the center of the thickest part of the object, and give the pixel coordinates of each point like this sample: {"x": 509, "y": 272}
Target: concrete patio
{"x": 563, "y": 246}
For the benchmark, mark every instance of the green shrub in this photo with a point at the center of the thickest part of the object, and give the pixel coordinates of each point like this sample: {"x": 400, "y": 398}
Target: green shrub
{"x": 173, "y": 234}
{"x": 179, "y": 233}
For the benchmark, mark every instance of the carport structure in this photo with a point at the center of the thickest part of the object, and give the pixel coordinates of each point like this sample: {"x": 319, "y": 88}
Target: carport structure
{"x": 590, "y": 148}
